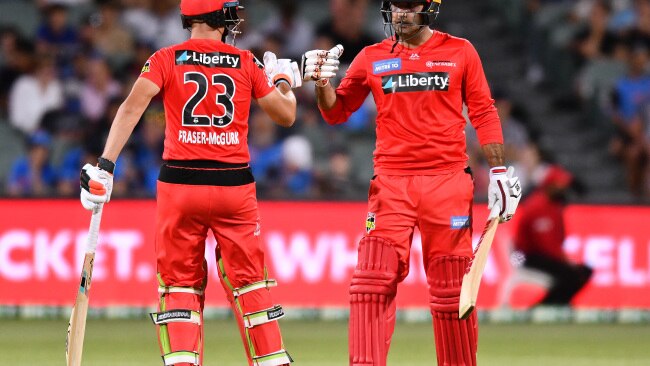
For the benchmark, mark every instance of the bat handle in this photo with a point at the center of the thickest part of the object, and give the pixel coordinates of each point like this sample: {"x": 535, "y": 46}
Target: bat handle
{"x": 494, "y": 212}
{"x": 93, "y": 231}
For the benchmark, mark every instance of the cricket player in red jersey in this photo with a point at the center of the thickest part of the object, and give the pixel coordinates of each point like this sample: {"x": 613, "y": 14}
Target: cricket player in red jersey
{"x": 419, "y": 79}
{"x": 205, "y": 182}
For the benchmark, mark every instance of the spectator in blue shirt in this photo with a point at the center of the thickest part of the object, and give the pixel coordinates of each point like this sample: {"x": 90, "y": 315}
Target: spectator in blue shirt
{"x": 32, "y": 175}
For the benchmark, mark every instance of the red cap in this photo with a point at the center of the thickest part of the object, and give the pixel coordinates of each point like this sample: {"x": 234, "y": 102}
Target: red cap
{"x": 198, "y": 7}
{"x": 557, "y": 176}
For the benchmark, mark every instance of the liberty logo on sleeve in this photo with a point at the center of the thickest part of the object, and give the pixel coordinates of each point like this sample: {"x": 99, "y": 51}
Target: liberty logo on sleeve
{"x": 212, "y": 59}
{"x": 370, "y": 222}
{"x": 383, "y": 66}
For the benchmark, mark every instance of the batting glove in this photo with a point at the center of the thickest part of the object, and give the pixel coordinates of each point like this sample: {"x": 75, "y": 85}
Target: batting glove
{"x": 96, "y": 183}
{"x": 282, "y": 70}
{"x": 320, "y": 65}
{"x": 504, "y": 192}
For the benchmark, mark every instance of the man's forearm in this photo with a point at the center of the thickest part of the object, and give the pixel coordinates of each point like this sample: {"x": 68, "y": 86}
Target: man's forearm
{"x": 494, "y": 154}
{"x": 125, "y": 121}
{"x": 326, "y": 96}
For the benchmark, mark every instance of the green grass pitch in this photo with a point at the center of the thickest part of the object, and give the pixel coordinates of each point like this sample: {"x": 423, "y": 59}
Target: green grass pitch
{"x": 314, "y": 343}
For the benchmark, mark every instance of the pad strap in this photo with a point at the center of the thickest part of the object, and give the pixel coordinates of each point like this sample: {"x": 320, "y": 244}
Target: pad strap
{"x": 273, "y": 359}
{"x": 187, "y": 290}
{"x": 254, "y": 286}
{"x": 181, "y": 357}
{"x": 263, "y": 316}
{"x": 176, "y": 315}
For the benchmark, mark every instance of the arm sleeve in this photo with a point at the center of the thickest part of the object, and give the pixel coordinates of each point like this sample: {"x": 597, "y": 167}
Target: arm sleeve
{"x": 261, "y": 85}
{"x": 480, "y": 105}
{"x": 351, "y": 93}
{"x": 155, "y": 69}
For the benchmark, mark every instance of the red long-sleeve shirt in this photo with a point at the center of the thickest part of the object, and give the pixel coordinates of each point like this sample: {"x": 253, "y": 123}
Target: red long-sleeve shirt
{"x": 419, "y": 95}
{"x": 541, "y": 226}
{"x": 207, "y": 88}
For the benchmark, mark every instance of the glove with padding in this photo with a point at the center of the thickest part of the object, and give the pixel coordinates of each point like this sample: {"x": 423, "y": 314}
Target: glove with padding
{"x": 282, "y": 69}
{"x": 321, "y": 65}
{"x": 96, "y": 186}
{"x": 504, "y": 192}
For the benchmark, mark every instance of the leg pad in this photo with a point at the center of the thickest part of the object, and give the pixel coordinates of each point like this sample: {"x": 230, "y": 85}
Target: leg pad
{"x": 456, "y": 339}
{"x": 180, "y": 325}
{"x": 257, "y": 320}
{"x": 372, "y": 305}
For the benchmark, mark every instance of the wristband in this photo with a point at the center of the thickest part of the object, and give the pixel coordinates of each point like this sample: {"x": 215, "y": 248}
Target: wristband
{"x": 279, "y": 81}
{"x": 498, "y": 170}
{"x": 106, "y": 165}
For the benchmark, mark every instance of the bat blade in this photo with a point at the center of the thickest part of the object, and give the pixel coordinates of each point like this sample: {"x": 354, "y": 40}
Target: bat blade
{"x": 77, "y": 325}
{"x": 472, "y": 278}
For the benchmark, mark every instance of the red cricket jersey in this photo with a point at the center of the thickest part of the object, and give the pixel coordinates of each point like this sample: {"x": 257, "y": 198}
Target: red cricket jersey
{"x": 419, "y": 95}
{"x": 540, "y": 227}
{"x": 207, "y": 90}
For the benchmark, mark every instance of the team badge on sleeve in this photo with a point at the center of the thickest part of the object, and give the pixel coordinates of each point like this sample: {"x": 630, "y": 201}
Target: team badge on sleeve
{"x": 370, "y": 222}
{"x": 146, "y": 67}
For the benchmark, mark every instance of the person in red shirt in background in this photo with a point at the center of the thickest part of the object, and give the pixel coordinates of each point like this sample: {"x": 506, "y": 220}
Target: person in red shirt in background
{"x": 541, "y": 232}
{"x": 205, "y": 182}
{"x": 419, "y": 79}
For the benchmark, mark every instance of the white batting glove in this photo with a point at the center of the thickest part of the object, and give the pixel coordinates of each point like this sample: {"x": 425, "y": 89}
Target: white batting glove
{"x": 282, "y": 70}
{"x": 321, "y": 65}
{"x": 504, "y": 192}
{"x": 96, "y": 186}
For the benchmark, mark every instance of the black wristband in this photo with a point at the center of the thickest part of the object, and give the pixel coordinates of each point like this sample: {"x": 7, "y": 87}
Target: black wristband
{"x": 282, "y": 80}
{"x": 105, "y": 164}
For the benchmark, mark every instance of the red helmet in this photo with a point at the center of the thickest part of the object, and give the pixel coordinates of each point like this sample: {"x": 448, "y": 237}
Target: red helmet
{"x": 215, "y": 13}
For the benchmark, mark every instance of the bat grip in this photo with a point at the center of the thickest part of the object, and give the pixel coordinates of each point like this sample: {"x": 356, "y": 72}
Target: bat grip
{"x": 494, "y": 212}
{"x": 93, "y": 231}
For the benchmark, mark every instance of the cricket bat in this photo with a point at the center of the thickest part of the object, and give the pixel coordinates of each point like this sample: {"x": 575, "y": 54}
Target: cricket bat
{"x": 77, "y": 326}
{"x": 472, "y": 278}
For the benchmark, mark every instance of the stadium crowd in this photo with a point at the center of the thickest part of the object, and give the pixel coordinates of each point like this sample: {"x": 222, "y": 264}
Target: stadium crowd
{"x": 62, "y": 81}
{"x": 594, "y": 55}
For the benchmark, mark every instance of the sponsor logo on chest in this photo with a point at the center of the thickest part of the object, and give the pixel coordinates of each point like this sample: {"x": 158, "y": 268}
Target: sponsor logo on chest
{"x": 420, "y": 81}
{"x": 382, "y": 66}
{"x": 212, "y": 59}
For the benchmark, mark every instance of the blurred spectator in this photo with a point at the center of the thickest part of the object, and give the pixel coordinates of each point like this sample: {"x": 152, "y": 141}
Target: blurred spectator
{"x": 266, "y": 152}
{"x": 298, "y": 32}
{"x": 68, "y": 184}
{"x": 56, "y": 37}
{"x": 97, "y": 90}
{"x": 540, "y": 235}
{"x": 8, "y": 43}
{"x": 109, "y": 38}
{"x": 345, "y": 26}
{"x": 639, "y": 32}
{"x": 34, "y": 94}
{"x": 338, "y": 181}
{"x": 594, "y": 39}
{"x": 297, "y": 164}
{"x": 167, "y": 14}
{"x": 32, "y": 175}
{"x": 154, "y": 22}
{"x": 631, "y": 94}
{"x": 149, "y": 147}
{"x": 515, "y": 136}
{"x": 16, "y": 59}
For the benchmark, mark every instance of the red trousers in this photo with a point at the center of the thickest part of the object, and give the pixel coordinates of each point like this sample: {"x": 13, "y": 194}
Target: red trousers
{"x": 185, "y": 214}
{"x": 439, "y": 206}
